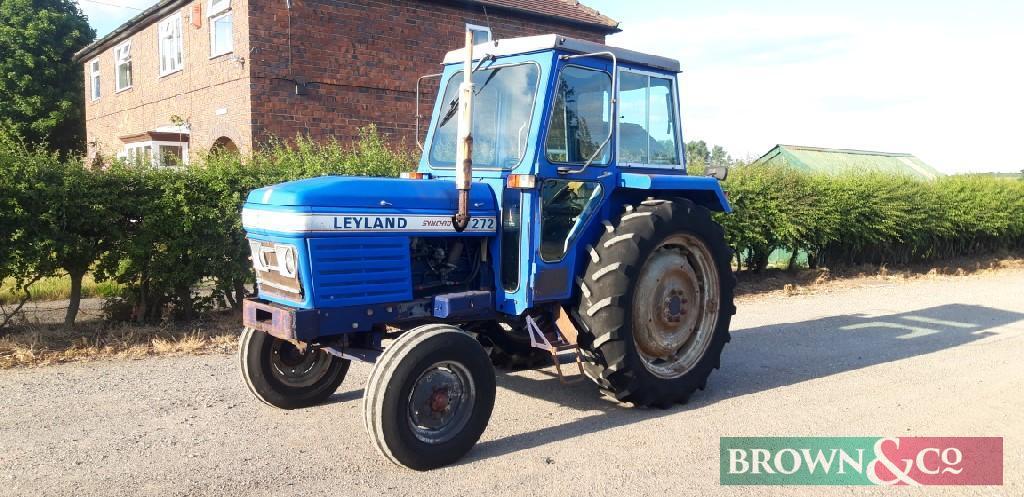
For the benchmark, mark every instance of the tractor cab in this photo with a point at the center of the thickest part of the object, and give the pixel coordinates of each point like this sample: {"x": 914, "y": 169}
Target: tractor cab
{"x": 550, "y": 214}
{"x": 560, "y": 126}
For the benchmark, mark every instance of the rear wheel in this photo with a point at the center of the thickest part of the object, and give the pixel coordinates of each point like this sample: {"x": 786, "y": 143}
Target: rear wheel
{"x": 656, "y": 302}
{"x": 429, "y": 397}
{"x": 282, "y": 375}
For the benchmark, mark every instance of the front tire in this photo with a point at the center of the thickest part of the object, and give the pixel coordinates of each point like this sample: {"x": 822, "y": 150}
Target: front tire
{"x": 657, "y": 300}
{"x": 429, "y": 397}
{"x": 281, "y": 375}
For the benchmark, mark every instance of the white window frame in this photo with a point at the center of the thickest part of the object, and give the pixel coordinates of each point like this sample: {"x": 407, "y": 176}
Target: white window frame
{"x": 481, "y": 29}
{"x": 126, "y": 48}
{"x": 154, "y": 152}
{"x": 213, "y": 32}
{"x": 94, "y": 79}
{"x": 171, "y": 26}
{"x": 680, "y": 147}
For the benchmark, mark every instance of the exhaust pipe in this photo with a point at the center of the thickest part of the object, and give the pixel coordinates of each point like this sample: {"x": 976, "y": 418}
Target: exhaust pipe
{"x": 464, "y": 150}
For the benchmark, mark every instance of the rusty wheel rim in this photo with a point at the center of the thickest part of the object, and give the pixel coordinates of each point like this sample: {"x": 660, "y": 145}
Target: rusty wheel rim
{"x": 675, "y": 306}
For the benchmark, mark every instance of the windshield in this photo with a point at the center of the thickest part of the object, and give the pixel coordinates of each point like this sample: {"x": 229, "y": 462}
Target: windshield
{"x": 502, "y": 109}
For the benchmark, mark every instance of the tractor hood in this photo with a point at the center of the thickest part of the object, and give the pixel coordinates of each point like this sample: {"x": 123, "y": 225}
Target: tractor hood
{"x": 338, "y": 204}
{"x": 373, "y": 193}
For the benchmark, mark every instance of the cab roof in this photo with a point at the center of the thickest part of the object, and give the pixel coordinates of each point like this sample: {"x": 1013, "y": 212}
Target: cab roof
{"x": 528, "y": 44}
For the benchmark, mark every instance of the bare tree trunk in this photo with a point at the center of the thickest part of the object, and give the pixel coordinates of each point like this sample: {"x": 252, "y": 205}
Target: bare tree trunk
{"x": 6, "y": 317}
{"x": 142, "y": 307}
{"x": 793, "y": 259}
{"x": 75, "y": 299}
{"x": 240, "y": 293}
{"x": 187, "y": 311}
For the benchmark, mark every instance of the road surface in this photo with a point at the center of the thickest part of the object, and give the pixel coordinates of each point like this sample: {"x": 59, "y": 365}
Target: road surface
{"x": 941, "y": 357}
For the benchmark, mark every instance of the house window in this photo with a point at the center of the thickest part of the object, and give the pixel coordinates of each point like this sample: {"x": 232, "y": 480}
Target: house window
{"x": 94, "y": 77}
{"x": 220, "y": 27}
{"x": 481, "y": 34}
{"x": 647, "y": 121}
{"x": 171, "y": 155}
{"x": 123, "y": 66}
{"x": 156, "y": 153}
{"x": 170, "y": 45}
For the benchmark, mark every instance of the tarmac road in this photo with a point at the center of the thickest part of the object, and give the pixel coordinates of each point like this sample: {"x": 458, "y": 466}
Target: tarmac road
{"x": 936, "y": 357}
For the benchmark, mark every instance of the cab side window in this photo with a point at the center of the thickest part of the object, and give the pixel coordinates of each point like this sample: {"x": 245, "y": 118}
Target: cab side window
{"x": 647, "y": 120}
{"x": 580, "y": 117}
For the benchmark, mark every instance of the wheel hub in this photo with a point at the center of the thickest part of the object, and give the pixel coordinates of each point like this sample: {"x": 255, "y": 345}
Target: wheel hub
{"x": 672, "y": 307}
{"x": 439, "y": 401}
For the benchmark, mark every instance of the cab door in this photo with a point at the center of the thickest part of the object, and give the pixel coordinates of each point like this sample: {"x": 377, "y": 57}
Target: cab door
{"x": 574, "y": 173}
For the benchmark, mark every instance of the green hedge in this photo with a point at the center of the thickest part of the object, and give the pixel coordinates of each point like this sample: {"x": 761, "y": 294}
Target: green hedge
{"x": 870, "y": 217}
{"x": 173, "y": 238}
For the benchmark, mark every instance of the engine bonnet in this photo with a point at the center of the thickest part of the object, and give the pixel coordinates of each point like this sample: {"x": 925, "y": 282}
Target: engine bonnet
{"x": 375, "y": 206}
{"x": 371, "y": 193}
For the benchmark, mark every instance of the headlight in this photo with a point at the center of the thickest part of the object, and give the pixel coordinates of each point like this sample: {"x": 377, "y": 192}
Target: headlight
{"x": 287, "y": 262}
{"x": 276, "y": 266}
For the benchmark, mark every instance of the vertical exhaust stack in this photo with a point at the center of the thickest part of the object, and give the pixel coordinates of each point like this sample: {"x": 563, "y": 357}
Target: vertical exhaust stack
{"x": 464, "y": 150}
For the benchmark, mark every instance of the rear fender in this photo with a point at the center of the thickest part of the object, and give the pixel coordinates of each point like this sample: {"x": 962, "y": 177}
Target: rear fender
{"x": 702, "y": 190}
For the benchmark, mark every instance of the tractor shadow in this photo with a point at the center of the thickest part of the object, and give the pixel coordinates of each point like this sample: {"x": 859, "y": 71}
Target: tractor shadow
{"x": 760, "y": 359}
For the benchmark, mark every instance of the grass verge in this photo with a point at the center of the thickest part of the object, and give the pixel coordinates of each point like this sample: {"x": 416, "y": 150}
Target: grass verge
{"x": 59, "y": 288}
{"x": 41, "y": 345}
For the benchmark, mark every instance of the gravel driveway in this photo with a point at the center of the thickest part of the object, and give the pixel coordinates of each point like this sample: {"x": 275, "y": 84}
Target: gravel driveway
{"x": 936, "y": 357}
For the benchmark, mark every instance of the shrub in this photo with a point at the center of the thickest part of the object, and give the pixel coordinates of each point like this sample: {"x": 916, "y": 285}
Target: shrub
{"x": 171, "y": 238}
{"x": 870, "y": 217}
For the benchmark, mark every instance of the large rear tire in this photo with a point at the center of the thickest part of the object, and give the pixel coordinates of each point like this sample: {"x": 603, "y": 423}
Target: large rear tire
{"x": 281, "y": 375}
{"x": 429, "y": 397}
{"x": 657, "y": 299}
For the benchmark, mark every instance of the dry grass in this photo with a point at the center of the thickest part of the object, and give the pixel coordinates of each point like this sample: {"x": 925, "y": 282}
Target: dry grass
{"x": 40, "y": 345}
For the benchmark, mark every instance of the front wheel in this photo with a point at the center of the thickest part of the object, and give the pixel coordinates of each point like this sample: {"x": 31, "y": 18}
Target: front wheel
{"x": 281, "y": 375}
{"x": 429, "y": 397}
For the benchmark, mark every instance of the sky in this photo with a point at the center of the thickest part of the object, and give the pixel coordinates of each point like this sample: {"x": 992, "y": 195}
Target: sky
{"x": 940, "y": 79}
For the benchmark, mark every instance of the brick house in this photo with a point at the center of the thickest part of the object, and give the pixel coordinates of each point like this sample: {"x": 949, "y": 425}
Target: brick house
{"x": 185, "y": 76}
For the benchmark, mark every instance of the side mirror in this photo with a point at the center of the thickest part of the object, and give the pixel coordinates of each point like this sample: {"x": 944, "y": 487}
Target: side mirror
{"x": 717, "y": 172}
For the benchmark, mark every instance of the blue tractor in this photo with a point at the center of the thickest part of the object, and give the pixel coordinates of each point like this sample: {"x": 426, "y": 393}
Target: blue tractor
{"x": 550, "y": 213}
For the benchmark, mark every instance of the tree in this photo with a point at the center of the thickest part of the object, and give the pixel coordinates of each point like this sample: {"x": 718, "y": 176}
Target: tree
{"x": 56, "y": 216}
{"x": 697, "y": 152}
{"x": 719, "y": 157}
{"x": 41, "y": 88}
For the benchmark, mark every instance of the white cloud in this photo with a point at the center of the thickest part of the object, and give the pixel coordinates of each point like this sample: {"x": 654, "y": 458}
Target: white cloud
{"x": 947, "y": 93}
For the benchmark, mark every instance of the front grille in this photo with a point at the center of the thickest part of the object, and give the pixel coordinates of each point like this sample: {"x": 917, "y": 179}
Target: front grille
{"x": 272, "y": 283}
{"x": 360, "y": 270}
